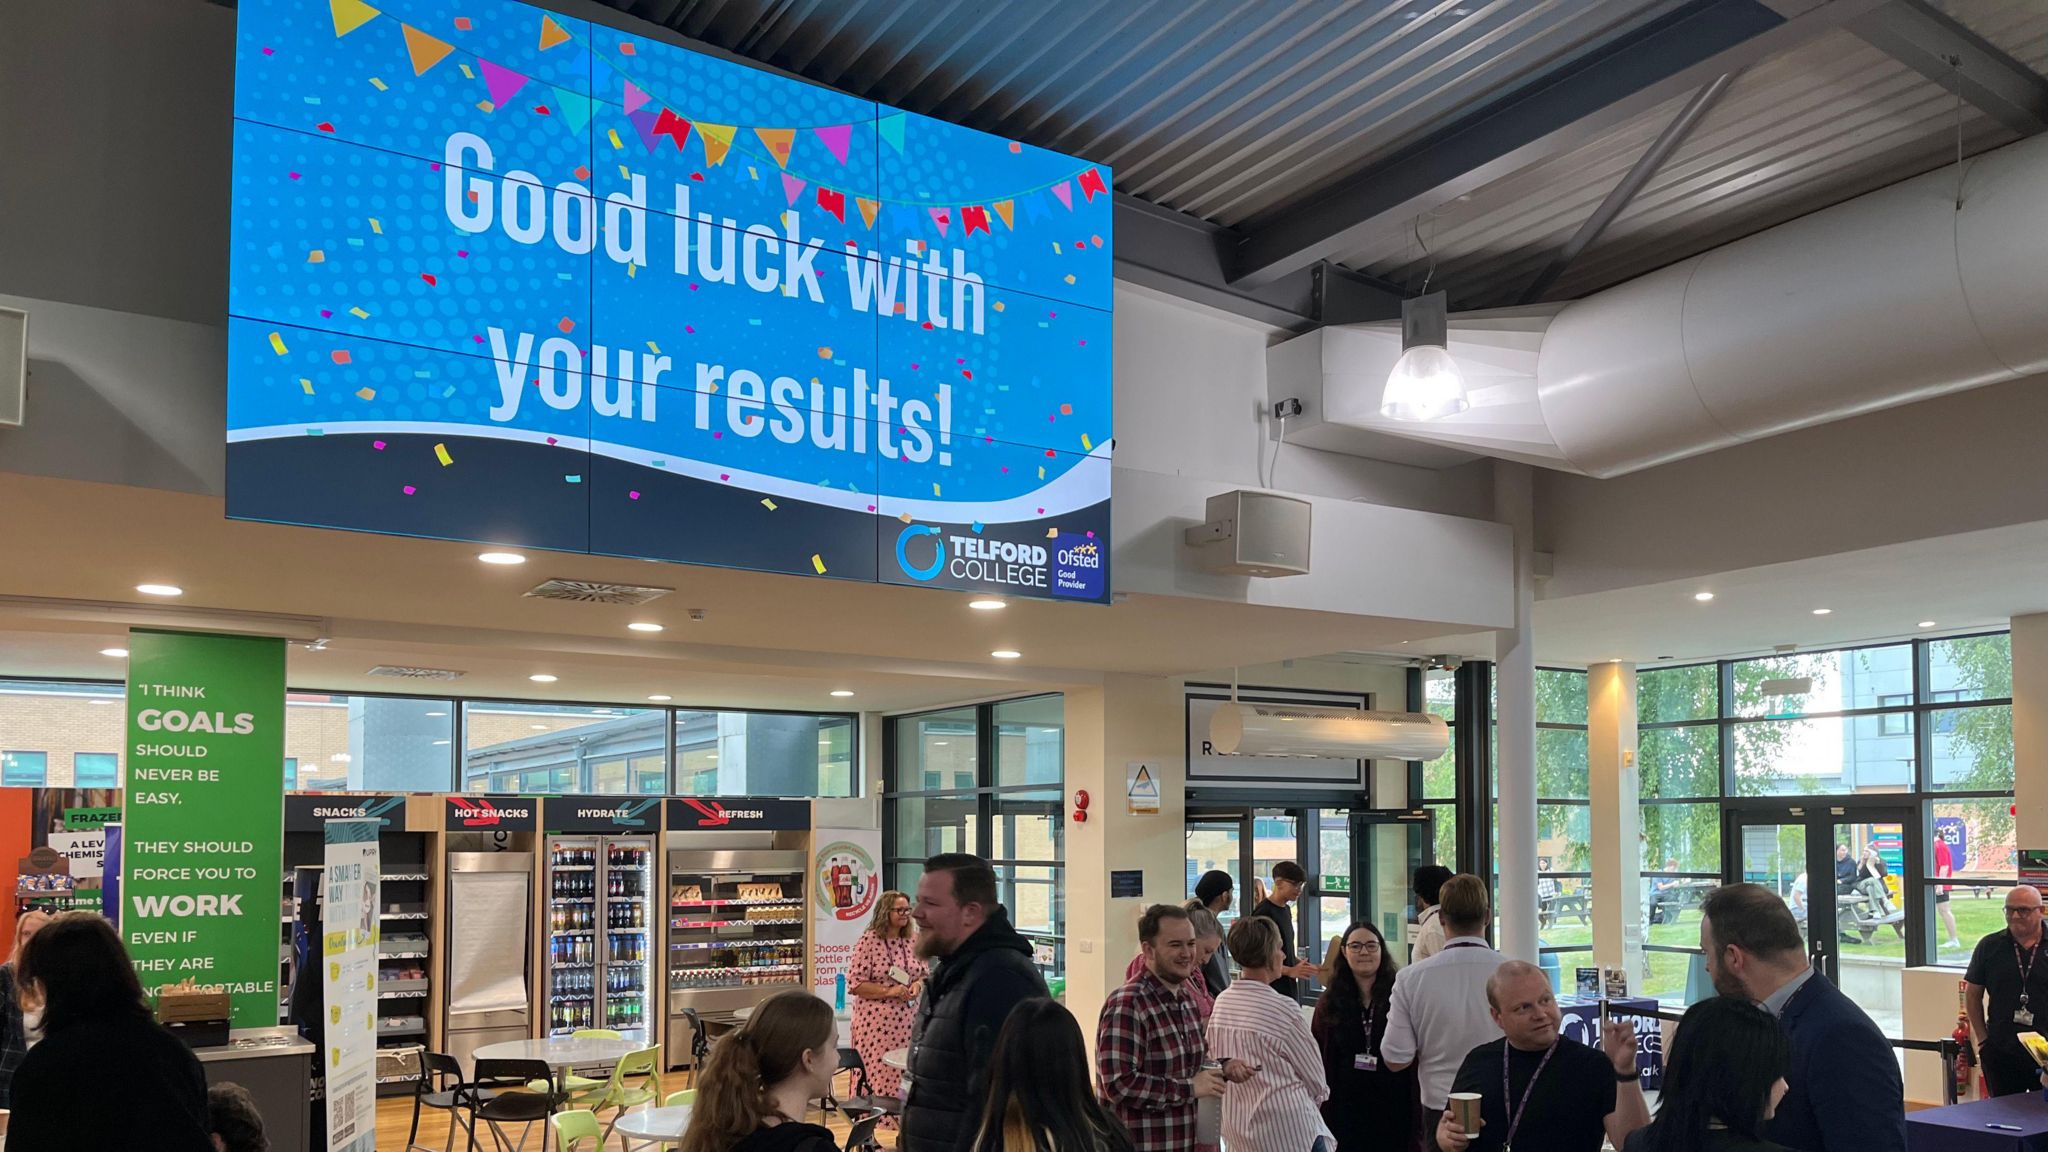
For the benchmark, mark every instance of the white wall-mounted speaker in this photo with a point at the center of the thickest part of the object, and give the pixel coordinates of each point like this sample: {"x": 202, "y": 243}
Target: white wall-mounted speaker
{"x": 13, "y": 366}
{"x": 1254, "y": 534}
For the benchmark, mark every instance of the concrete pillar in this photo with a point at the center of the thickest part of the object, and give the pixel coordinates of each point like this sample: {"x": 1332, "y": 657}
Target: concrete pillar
{"x": 1515, "y": 731}
{"x": 1616, "y": 817}
{"x": 1127, "y": 719}
{"x": 2030, "y": 729}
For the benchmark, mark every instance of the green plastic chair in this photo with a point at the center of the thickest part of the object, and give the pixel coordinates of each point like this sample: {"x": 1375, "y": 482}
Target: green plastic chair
{"x": 571, "y": 1082}
{"x": 687, "y": 1098}
{"x": 573, "y": 1127}
{"x": 618, "y": 1095}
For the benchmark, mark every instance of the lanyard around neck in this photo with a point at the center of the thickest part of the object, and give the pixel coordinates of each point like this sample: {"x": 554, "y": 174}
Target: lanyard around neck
{"x": 1528, "y": 1090}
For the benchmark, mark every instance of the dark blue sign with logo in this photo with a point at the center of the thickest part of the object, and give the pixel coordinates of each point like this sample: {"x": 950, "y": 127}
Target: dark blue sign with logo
{"x": 738, "y": 814}
{"x": 503, "y": 275}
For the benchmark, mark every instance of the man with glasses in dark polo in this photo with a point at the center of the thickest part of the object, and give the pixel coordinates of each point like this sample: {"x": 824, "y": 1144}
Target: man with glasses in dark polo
{"x": 2006, "y": 993}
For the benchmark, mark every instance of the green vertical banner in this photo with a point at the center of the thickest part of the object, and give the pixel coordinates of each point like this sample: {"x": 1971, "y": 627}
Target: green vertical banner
{"x": 202, "y": 858}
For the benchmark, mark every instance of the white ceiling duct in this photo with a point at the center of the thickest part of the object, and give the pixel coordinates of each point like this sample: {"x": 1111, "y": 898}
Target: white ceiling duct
{"x": 1330, "y": 733}
{"x": 1893, "y": 297}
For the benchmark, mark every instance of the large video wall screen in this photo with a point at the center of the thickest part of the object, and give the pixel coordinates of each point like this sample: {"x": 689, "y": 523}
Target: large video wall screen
{"x": 506, "y": 276}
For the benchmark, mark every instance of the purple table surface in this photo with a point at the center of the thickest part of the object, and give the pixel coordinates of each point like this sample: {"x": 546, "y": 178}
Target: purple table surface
{"x": 1962, "y": 1127}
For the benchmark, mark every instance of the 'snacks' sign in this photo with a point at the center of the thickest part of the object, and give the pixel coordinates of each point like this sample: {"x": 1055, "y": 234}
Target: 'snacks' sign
{"x": 202, "y": 822}
{"x": 501, "y": 274}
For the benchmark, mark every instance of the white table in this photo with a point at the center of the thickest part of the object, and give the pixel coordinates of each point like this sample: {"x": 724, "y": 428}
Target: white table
{"x": 898, "y": 1059}
{"x": 664, "y": 1124}
{"x": 845, "y": 1025}
{"x": 562, "y": 1052}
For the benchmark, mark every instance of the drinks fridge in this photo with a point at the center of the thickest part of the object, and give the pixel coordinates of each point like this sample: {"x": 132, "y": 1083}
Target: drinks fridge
{"x": 737, "y": 922}
{"x": 601, "y": 924}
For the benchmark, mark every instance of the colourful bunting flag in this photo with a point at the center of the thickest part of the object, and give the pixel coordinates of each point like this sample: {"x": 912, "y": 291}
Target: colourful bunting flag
{"x": 1007, "y": 210}
{"x": 942, "y": 218}
{"x": 717, "y": 139}
{"x": 551, "y": 33}
{"x": 502, "y": 82}
{"x": 350, "y": 15}
{"x": 778, "y": 141}
{"x": 868, "y": 208}
{"x": 1091, "y": 183}
{"x": 1064, "y": 194}
{"x": 575, "y": 108}
{"x": 835, "y": 137}
{"x": 834, "y": 202}
{"x": 672, "y": 126}
{"x": 643, "y": 122}
{"x": 890, "y": 128}
{"x": 425, "y": 50}
{"x": 973, "y": 216}
{"x": 792, "y": 188}
{"x": 635, "y": 98}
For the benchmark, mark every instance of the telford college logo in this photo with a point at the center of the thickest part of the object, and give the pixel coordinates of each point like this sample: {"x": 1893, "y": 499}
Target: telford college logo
{"x": 917, "y": 532}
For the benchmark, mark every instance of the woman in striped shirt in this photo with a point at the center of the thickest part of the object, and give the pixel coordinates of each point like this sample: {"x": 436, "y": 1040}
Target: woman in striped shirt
{"x": 1278, "y": 1109}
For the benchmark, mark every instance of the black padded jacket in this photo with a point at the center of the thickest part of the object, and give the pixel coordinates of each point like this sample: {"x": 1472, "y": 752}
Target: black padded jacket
{"x": 966, "y": 1000}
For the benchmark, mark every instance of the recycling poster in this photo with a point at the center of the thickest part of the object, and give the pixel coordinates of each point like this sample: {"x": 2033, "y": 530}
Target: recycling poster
{"x": 202, "y": 867}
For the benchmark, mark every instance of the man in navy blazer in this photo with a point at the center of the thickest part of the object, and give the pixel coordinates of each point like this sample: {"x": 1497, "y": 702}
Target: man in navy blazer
{"x": 1844, "y": 1091}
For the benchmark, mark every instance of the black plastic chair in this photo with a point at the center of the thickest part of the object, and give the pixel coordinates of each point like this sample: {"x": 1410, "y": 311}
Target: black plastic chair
{"x": 439, "y": 1086}
{"x": 862, "y": 1138}
{"x": 700, "y": 1044}
{"x": 863, "y": 1103}
{"x": 499, "y": 1095}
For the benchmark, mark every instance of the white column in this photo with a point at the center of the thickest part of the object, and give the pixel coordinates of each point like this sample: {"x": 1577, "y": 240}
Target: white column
{"x": 1616, "y": 817}
{"x": 2030, "y": 729}
{"x": 1515, "y": 686}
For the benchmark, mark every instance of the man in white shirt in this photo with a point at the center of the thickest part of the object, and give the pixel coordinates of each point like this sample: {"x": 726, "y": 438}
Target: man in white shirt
{"x": 1429, "y": 925}
{"x": 1439, "y": 1011}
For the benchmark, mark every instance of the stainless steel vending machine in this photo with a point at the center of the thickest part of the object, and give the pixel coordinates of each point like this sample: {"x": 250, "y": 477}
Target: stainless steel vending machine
{"x": 487, "y": 919}
{"x": 602, "y": 922}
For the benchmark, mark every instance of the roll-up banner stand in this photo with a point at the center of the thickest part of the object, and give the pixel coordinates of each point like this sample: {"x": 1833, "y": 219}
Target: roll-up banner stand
{"x": 738, "y": 814}
{"x": 203, "y": 814}
{"x": 350, "y": 895}
{"x": 621, "y": 815}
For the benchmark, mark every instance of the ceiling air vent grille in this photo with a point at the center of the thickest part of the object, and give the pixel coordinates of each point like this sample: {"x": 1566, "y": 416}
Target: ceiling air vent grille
{"x": 404, "y": 673}
{"x": 591, "y": 592}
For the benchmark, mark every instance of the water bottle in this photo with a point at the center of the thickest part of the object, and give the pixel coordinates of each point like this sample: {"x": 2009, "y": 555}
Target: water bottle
{"x": 839, "y": 993}
{"x": 1209, "y": 1113}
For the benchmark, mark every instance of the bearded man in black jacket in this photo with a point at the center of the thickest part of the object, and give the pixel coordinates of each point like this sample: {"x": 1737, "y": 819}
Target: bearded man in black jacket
{"x": 984, "y": 971}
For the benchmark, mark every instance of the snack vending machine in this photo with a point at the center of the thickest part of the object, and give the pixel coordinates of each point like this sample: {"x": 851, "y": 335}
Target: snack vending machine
{"x": 601, "y": 919}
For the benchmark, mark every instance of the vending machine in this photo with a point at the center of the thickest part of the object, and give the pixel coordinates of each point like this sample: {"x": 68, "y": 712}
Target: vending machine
{"x": 484, "y": 992}
{"x": 601, "y": 924}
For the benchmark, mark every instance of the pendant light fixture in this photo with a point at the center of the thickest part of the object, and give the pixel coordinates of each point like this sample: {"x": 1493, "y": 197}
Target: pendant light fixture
{"x": 1425, "y": 383}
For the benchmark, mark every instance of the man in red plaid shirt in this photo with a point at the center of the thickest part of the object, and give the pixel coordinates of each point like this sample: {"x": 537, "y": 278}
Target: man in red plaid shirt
{"x": 1149, "y": 1048}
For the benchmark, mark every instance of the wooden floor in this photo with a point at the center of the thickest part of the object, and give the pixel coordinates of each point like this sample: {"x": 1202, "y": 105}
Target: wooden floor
{"x": 394, "y": 1120}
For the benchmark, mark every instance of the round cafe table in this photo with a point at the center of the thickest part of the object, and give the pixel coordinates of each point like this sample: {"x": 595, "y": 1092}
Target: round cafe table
{"x": 562, "y": 1053}
{"x": 898, "y": 1058}
{"x": 663, "y": 1124}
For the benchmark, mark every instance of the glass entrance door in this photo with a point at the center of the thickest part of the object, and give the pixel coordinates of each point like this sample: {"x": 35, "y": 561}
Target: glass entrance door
{"x": 1387, "y": 848}
{"x": 1841, "y": 869}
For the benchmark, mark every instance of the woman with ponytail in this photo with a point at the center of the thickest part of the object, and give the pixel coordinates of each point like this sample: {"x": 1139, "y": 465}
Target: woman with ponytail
{"x": 1039, "y": 1099}
{"x": 761, "y": 1078}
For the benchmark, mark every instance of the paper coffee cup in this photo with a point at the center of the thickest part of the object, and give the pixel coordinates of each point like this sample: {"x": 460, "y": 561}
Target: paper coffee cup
{"x": 1465, "y": 1110}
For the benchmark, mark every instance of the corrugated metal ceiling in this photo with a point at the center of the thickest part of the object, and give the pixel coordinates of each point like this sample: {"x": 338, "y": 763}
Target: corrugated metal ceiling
{"x": 1236, "y": 111}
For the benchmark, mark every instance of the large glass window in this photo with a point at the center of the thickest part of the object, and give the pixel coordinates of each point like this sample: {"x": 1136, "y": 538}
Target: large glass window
{"x": 369, "y": 743}
{"x": 757, "y": 754}
{"x": 988, "y": 780}
{"x": 47, "y": 726}
{"x": 95, "y": 770}
{"x": 522, "y": 747}
{"x": 24, "y": 769}
{"x": 1440, "y": 776}
{"x": 1564, "y": 826}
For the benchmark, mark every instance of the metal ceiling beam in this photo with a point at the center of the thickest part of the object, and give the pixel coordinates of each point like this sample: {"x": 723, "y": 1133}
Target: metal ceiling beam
{"x": 1663, "y": 61}
{"x": 1180, "y": 255}
{"x": 1624, "y": 193}
{"x": 1938, "y": 47}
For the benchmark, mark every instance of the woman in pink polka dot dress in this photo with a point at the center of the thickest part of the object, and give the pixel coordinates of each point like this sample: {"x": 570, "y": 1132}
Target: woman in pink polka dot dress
{"x": 886, "y": 977}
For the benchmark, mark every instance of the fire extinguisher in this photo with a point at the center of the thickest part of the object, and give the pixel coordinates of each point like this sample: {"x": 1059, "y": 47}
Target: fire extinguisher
{"x": 1966, "y": 1055}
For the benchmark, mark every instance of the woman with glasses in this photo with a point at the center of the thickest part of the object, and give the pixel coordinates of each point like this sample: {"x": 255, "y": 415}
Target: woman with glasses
{"x": 1370, "y": 1109}
{"x": 885, "y": 977}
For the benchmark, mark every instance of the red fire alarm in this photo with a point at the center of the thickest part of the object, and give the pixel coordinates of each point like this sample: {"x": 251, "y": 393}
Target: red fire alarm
{"x": 1080, "y": 815}
{"x": 1081, "y": 800}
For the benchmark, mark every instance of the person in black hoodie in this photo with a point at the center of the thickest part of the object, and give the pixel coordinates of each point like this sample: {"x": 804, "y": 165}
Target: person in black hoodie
{"x": 761, "y": 1078}
{"x": 97, "y": 1032}
{"x": 984, "y": 971}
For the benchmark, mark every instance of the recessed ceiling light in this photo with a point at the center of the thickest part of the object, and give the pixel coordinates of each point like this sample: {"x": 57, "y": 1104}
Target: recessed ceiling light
{"x": 1927, "y": 623}
{"x": 660, "y": 699}
{"x": 435, "y": 715}
{"x": 543, "y": 678}
{"x": 1703, "y": 597}
{"x": 940, "y": 743}
{"x": 644, "y": 626}
{"x": 987, "y": 605}
{"x": 501, "y": 558}
{"x": 1823, "y": 611}
{"x": 1006, "y": 654}
{"x": 116, "y": 653}
{"x": 159, "y": 589}
{"x": 438, "y": 743}
{"x": 538, "y": 727}
{"x": 842, "y": 693}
